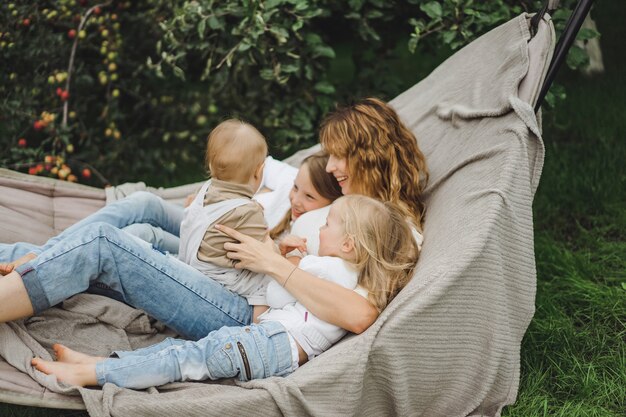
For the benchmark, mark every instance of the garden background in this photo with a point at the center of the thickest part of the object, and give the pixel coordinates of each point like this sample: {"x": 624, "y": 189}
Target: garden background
{"x": 149, "y": 78}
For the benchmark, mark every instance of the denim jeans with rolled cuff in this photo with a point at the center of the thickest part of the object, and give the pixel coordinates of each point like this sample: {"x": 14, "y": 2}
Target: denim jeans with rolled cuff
{"x": 125, "y": 268}
{"x": 250, "y": 352}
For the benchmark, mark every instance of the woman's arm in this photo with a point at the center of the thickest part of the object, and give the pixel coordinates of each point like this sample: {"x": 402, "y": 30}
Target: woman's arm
{"x": 328, "y": 301}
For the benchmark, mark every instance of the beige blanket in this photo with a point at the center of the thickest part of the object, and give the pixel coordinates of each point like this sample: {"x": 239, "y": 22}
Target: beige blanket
{"x": 448, "y": 345}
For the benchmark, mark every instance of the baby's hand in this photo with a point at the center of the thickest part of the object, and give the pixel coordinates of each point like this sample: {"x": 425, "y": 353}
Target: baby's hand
{"x": 291, "y": 242}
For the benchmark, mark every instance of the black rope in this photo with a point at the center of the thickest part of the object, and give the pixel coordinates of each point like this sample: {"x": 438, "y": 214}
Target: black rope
{"x": 568, "y": 36}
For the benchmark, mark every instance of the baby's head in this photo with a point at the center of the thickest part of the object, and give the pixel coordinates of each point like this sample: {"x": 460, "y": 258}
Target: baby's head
{"x": 376, "y": 237}
{"x": 235, "y": 152}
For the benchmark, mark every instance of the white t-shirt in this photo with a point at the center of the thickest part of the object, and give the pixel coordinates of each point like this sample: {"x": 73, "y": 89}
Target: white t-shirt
{"x": 278, "y": 177}
{"x": 308, "y": 226}
{"x": 312, "y": 334}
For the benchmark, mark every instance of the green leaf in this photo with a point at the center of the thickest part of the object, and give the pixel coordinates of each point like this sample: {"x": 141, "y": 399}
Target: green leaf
{"x": 325, "y": 51}
{"x": 586, "y": 34}
{"x": 290, "y": 68}
{"x": 178, "y": 72}
{"x": 214, "y": 23}
{"x": 280, "y": 34}
{"x": 267, "y": 74}
{"x": 577, "y": 58}
{"x": 413, "y": 43}
{"x": 270, "y": 4}
{"x": 432, "y": 9}
{"x": 313, "y": 39}
{"x": 448, "y": 36}
{"x": 201, "y": 28}
{"x": 298, "y": 25}
{"x": 324, "y": 87}
{"x": 356, "y": 4}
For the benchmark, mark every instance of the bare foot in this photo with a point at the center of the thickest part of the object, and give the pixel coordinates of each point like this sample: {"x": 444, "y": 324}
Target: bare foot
{"x": 74, "y": 374}
{"x": 8, "y": 267}
{"x": 67, "y": 355}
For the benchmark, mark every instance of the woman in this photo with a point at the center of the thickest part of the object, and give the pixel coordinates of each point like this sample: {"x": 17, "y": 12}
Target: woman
{"x": 373, "y": 153}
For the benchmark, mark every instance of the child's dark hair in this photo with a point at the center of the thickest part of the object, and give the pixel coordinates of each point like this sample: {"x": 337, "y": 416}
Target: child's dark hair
{"x": 323, "y": 182}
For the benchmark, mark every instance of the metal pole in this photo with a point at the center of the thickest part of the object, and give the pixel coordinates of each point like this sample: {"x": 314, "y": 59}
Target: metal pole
{"x": 568, "y": 36}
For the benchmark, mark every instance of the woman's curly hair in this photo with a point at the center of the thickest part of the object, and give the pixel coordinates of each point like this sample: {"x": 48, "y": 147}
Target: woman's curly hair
{"x": 384, "y": 160}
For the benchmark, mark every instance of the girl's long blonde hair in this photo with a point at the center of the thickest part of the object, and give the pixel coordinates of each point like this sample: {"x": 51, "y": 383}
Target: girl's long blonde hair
{"x": 323, "y": 182}
{"x": 384, "y": 160}
{"x": 384, "y": 246}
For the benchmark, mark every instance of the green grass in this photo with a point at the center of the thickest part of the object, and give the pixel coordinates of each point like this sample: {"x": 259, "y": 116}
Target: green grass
{"x": 574, "y": 353}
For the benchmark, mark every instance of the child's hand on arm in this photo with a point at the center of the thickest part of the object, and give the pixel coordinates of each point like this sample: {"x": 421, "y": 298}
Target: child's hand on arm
{"x": 292, "y": 242}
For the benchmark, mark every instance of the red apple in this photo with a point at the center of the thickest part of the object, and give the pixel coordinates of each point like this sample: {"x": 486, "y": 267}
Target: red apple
{"x": 21, "y": 143}
{"x": 26, "y": 22}
{"x": 86, "y": 173}
{"x": 59, "y": 91}
{"x": 97, "y": 10}
{"x": 32, "y": 171}
{"x": 38, "y": 125}
{"x": 71, "y": 33}
{"x": 65, "y": 95}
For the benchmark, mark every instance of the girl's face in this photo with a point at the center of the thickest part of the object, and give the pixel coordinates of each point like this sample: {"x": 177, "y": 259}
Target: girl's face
{"x": 303, "y": 196}
{"x": 333, "y": 240}
{"x": 338, "y": 167}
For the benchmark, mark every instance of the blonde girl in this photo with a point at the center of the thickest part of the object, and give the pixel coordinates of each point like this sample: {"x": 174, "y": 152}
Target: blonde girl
{"x": 365, "y": 245}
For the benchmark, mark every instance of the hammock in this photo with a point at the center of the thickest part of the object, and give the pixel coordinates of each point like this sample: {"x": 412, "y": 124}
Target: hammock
{"x": 448, "y": 345}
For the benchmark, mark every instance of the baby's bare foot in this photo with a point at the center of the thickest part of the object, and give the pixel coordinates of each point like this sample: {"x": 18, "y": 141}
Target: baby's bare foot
{"x": 8, "y": 267}
{"x": 70, "y": 373}
{"x": 67, "y": 355}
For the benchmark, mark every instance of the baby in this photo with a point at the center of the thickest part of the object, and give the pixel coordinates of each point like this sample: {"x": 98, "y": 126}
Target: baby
{"x": 235, "y": 157}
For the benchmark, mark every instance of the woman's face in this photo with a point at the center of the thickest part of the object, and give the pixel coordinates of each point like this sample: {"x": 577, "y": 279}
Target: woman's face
{"x": 338, "y": 167}
{"x": 303, "y": 196}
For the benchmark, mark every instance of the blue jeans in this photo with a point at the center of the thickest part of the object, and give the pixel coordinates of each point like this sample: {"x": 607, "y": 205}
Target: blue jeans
{"x": 139, "y": 207}
{"x": 127, "y": 269}
{"x": 154, "y": 235}
{"x": 251, "y": 352}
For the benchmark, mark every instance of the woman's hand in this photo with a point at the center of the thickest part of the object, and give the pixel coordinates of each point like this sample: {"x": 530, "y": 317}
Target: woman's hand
{"x": 249, "y": 253}
{"x": 292, "y": 242}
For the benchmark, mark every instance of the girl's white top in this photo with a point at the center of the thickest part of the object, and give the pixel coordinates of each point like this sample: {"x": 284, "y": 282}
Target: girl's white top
{"x": 312, "y": 334}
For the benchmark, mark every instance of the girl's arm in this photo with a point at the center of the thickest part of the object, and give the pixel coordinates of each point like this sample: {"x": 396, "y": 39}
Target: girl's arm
{"x": 328, "y": 301}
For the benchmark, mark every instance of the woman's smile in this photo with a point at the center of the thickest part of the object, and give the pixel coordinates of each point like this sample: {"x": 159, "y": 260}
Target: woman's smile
{"x": 341, "y": 180}
{"x": 339, "y": 168}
